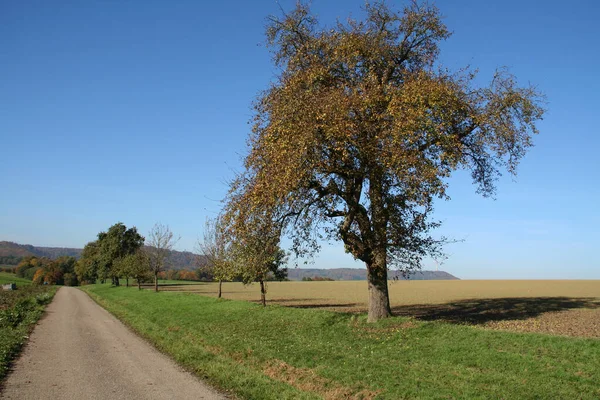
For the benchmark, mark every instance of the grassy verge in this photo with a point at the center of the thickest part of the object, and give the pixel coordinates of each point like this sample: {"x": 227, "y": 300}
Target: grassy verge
{"x": 280, "y": 352}
{"x": 19, "y": 311}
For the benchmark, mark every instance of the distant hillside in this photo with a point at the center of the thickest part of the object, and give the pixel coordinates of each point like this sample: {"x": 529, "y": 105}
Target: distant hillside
{"x": 357, "y": 274}
{"x": 185, "y": 260}
{"x": 11, "y": 253}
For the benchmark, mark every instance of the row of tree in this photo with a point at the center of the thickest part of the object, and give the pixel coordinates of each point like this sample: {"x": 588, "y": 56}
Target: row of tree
{"x": 10, "y": 260}
{"x": 249, "y": 256}
{"x": 317, "y": 279}
{"x": 120, "y": 253}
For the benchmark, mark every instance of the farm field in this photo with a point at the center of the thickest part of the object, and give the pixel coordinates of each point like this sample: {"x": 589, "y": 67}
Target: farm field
{"x": 563, "y": 307}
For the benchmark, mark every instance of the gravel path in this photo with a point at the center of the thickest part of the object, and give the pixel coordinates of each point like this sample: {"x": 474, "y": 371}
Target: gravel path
{"x": 80, "y": 351}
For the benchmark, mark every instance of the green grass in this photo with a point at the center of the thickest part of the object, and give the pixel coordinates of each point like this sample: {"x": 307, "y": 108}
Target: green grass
{"x": 280, "y": 352}
{"x": 6, "y": 277}
{"x": 19, "y": 311}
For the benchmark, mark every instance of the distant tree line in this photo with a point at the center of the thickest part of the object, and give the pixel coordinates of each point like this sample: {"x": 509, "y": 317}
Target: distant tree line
{"x": 198, "y": 275}
{"x": 316, "y": 279}
{"x": 44, "y": 271}
{"x": 10, "y": 260}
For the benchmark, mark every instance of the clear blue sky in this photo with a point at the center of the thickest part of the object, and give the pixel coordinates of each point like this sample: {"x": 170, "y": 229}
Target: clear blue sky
{"x": 137, "y": 111}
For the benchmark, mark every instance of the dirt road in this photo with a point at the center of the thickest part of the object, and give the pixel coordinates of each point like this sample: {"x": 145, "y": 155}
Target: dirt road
{"x": 80, "y": 351}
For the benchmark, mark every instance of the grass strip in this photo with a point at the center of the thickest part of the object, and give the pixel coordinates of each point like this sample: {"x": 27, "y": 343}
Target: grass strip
{"x": 280, "y": 352}
{"x": 19, "y": 311}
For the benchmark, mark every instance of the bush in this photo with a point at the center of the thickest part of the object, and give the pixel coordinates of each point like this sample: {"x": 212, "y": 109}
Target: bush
{"x": 19, "y": 310}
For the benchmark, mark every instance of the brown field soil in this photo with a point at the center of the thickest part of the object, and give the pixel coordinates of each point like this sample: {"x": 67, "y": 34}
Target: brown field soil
{"x": 562, "y": 307}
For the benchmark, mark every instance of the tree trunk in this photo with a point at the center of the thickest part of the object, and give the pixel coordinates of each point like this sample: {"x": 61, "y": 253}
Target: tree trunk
{"x": 220, "y": 284}
{"x": 126, "y": 282}
{"x": 263, "y": 297}
{"x": 156, "y": 281}
{"x": 116, "y": 281}
{"x": 139, "y": 285}
{"x": 379, "y": 300}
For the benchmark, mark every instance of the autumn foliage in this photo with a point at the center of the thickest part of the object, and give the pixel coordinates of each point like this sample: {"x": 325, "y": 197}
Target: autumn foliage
{"x": 361, "y": 131}
{"x": 43, "y": 271}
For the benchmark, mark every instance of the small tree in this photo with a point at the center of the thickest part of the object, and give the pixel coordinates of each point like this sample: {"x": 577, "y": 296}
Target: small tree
{"x": 216, "y": 250}
{"x": 137, "y": 266}
{"x": 159, "y": 244}
{"x": 122, "y": 268}
{"x": 255, "y": 250}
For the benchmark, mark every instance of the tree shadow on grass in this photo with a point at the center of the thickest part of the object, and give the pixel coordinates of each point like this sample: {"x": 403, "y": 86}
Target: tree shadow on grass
{"x": 170, "y": 285}
{"x": 480, "y": 311}
{"x": 312, "y": 304}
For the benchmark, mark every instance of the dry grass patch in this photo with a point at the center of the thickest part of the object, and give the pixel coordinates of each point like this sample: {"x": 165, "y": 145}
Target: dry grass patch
{"x": 307, "y": 380}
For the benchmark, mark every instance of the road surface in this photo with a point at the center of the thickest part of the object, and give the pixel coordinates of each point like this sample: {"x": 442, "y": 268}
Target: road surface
{"x": 80, "y": 351}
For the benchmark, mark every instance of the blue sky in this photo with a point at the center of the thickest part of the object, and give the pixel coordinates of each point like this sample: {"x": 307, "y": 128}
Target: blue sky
{"x": 137, "y": 111}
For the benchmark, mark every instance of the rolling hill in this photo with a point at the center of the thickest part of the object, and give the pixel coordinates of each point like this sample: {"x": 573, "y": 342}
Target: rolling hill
{"x": 359, "y": 274}
{"x": 11, "y": 253}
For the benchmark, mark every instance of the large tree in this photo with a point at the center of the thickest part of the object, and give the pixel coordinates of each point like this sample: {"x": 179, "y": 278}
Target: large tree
{"x": 360, "y": 132}
{"x": 99, "y": 259}
{"x": 87, "y": 265}
{"x": 159, "y": 244}
{"x": 117, "y": 243}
